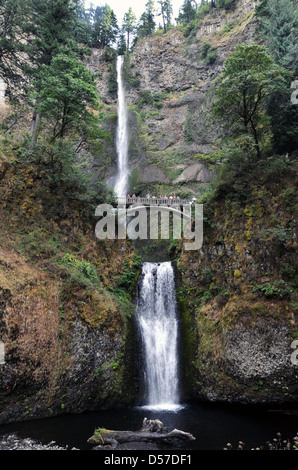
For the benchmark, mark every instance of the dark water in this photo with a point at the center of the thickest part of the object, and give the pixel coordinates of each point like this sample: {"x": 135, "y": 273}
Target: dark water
{"x": 212, "y": 425}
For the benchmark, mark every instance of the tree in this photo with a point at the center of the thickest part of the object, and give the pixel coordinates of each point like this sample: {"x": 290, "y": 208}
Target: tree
{"x": 166, "y": 11}
{"x": 105, "y": 27}
{"x": 129, "y": 25}
{"x": 147, "y": 22}
{"x": 187, "y": 11}
{"x": 51, "y": 28}
{"x": 284, "y": 119}
{"x": 222, "y": 3}
{"x": 276, "y": 26}
{"x": 121, "y": 44}
{"x": 66, "y": 91}
{"x": 248, "y": 80}
{"x": 83, "y": 30}
{"x": 13, "y": 37}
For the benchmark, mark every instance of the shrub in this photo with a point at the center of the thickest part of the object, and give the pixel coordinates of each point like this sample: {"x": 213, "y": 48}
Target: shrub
{"x": 82, "y": 270}
{"x": 275, "y": 289}
{"x": 208, "y": 53}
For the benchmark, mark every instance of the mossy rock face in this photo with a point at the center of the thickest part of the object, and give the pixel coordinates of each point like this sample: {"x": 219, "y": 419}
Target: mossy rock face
{"x": 65, "y": 304}
{"x": 240, "y": 295}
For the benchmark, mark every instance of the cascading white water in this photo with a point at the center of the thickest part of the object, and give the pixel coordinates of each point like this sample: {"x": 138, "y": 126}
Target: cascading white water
{"x": 157, "y": 317}
{"x": 122, "y": 135}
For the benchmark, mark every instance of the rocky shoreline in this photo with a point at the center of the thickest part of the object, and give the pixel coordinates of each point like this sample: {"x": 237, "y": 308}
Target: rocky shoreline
{"x": 13, "y": 442}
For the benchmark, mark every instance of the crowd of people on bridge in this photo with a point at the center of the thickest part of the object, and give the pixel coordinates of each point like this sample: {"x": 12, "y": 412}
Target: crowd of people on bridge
{"x": 172, "y": 199}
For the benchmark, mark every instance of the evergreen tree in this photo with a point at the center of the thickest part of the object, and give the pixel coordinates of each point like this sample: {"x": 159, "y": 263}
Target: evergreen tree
{"x": 121, "y": 44}
{"x": 105, "y": 27}
{"x": 277, "y": 27}
{"x": 147, "y": 22}
{"x": 166, "y": 11}
{"x": 66, "y": 91}
{"x": 222, "y": 3}
{"x": 13, "y": 50}
{"x": 187, "y": 11}
{"x": 129, "y": 26}
{"x": 52, "y": 29}
{"x": 83, "y": 30}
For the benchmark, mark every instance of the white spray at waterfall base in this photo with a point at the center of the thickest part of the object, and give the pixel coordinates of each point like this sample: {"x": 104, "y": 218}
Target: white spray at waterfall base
{"x": 157, "y": 317}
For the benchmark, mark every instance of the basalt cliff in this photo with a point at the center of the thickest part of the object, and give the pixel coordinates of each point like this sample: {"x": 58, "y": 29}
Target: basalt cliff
{"x": 66, "y": 298}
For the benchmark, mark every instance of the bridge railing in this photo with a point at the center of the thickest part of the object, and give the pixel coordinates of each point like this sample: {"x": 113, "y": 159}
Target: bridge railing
{"x": 151, "y": 201}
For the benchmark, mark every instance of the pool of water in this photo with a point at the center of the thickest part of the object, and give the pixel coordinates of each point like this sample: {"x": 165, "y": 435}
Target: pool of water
{"x": 212, "y": 425}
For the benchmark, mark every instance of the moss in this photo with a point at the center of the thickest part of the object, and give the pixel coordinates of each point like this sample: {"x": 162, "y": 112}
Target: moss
{"x": 97, "y": 437}
{"x": 53, "y": 265}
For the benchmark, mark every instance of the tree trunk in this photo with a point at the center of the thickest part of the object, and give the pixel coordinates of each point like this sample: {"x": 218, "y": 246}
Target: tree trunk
{"x": 152, "y": 430}
{"x": 35, "y": 125}
{"x": 164, "y": 23}
{"x": 255, "y": 134}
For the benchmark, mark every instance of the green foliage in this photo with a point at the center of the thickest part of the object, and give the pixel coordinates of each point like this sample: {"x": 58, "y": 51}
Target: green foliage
{"x": 129, "y": 26}
{"x": 64, "y": 92}
{"x": 81, "y": 270}
{"x": 154, "y": 99}
{"x": 121, "y": 44}
{"x": 187, "y": 12}
{"x": 104, "y": 26}
{"x": 64, "y": 176}
{"x": 289, "y": 197}
{"x": 275, "y": 289}
{"x": 40, "y": 243}
{"x": 84, "y": 20}
{"x": 276, "y": 26}
{"x": 51, "y": 27}
{"x": 284, "y": 118}
{"x": 109, "y": 55}
{"x": 147, "y": 23}
{"x": 133, "y": 81}
{"x": 249, "y": 78}
{"x": 14, "y": 16}
{"x": 166, "y": 11}
{"x": 224, "y": 3}
{"x": 127, "y": 280}
{"x": 112, "y": 81}
{"x": 209, "y": 53}
{"x": 280, "y": 235}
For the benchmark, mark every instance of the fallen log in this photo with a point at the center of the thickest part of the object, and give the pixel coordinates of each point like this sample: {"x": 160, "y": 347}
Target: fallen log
{"x": 152, "y": 430}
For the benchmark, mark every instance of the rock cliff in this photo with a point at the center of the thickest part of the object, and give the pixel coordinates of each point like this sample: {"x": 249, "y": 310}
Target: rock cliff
{"x": 64, "y": 316}
{"x": 238, "y": 293}
{"x": 169, "y": 79}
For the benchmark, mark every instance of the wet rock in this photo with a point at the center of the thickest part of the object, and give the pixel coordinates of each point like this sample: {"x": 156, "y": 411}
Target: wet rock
{"x": 13, "y": 442}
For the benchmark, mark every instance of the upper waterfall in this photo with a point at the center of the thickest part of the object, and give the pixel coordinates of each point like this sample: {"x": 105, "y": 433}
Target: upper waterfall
{"x": 122, "y": 135}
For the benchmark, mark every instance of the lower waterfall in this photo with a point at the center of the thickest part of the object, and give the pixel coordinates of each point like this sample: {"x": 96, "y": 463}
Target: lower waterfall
{"x": 158, "y": 325}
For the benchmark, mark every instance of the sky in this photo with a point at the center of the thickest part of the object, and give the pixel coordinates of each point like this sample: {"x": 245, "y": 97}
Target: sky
{"x": 120, "y": 7}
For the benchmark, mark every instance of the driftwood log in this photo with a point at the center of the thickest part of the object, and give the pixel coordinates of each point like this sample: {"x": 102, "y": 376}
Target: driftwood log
{"x": 152, "y": 430}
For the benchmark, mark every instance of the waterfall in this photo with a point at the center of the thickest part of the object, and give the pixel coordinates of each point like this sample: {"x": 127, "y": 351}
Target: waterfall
{"x": 157, "y": 319}
{"x": 122, "y": 135}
